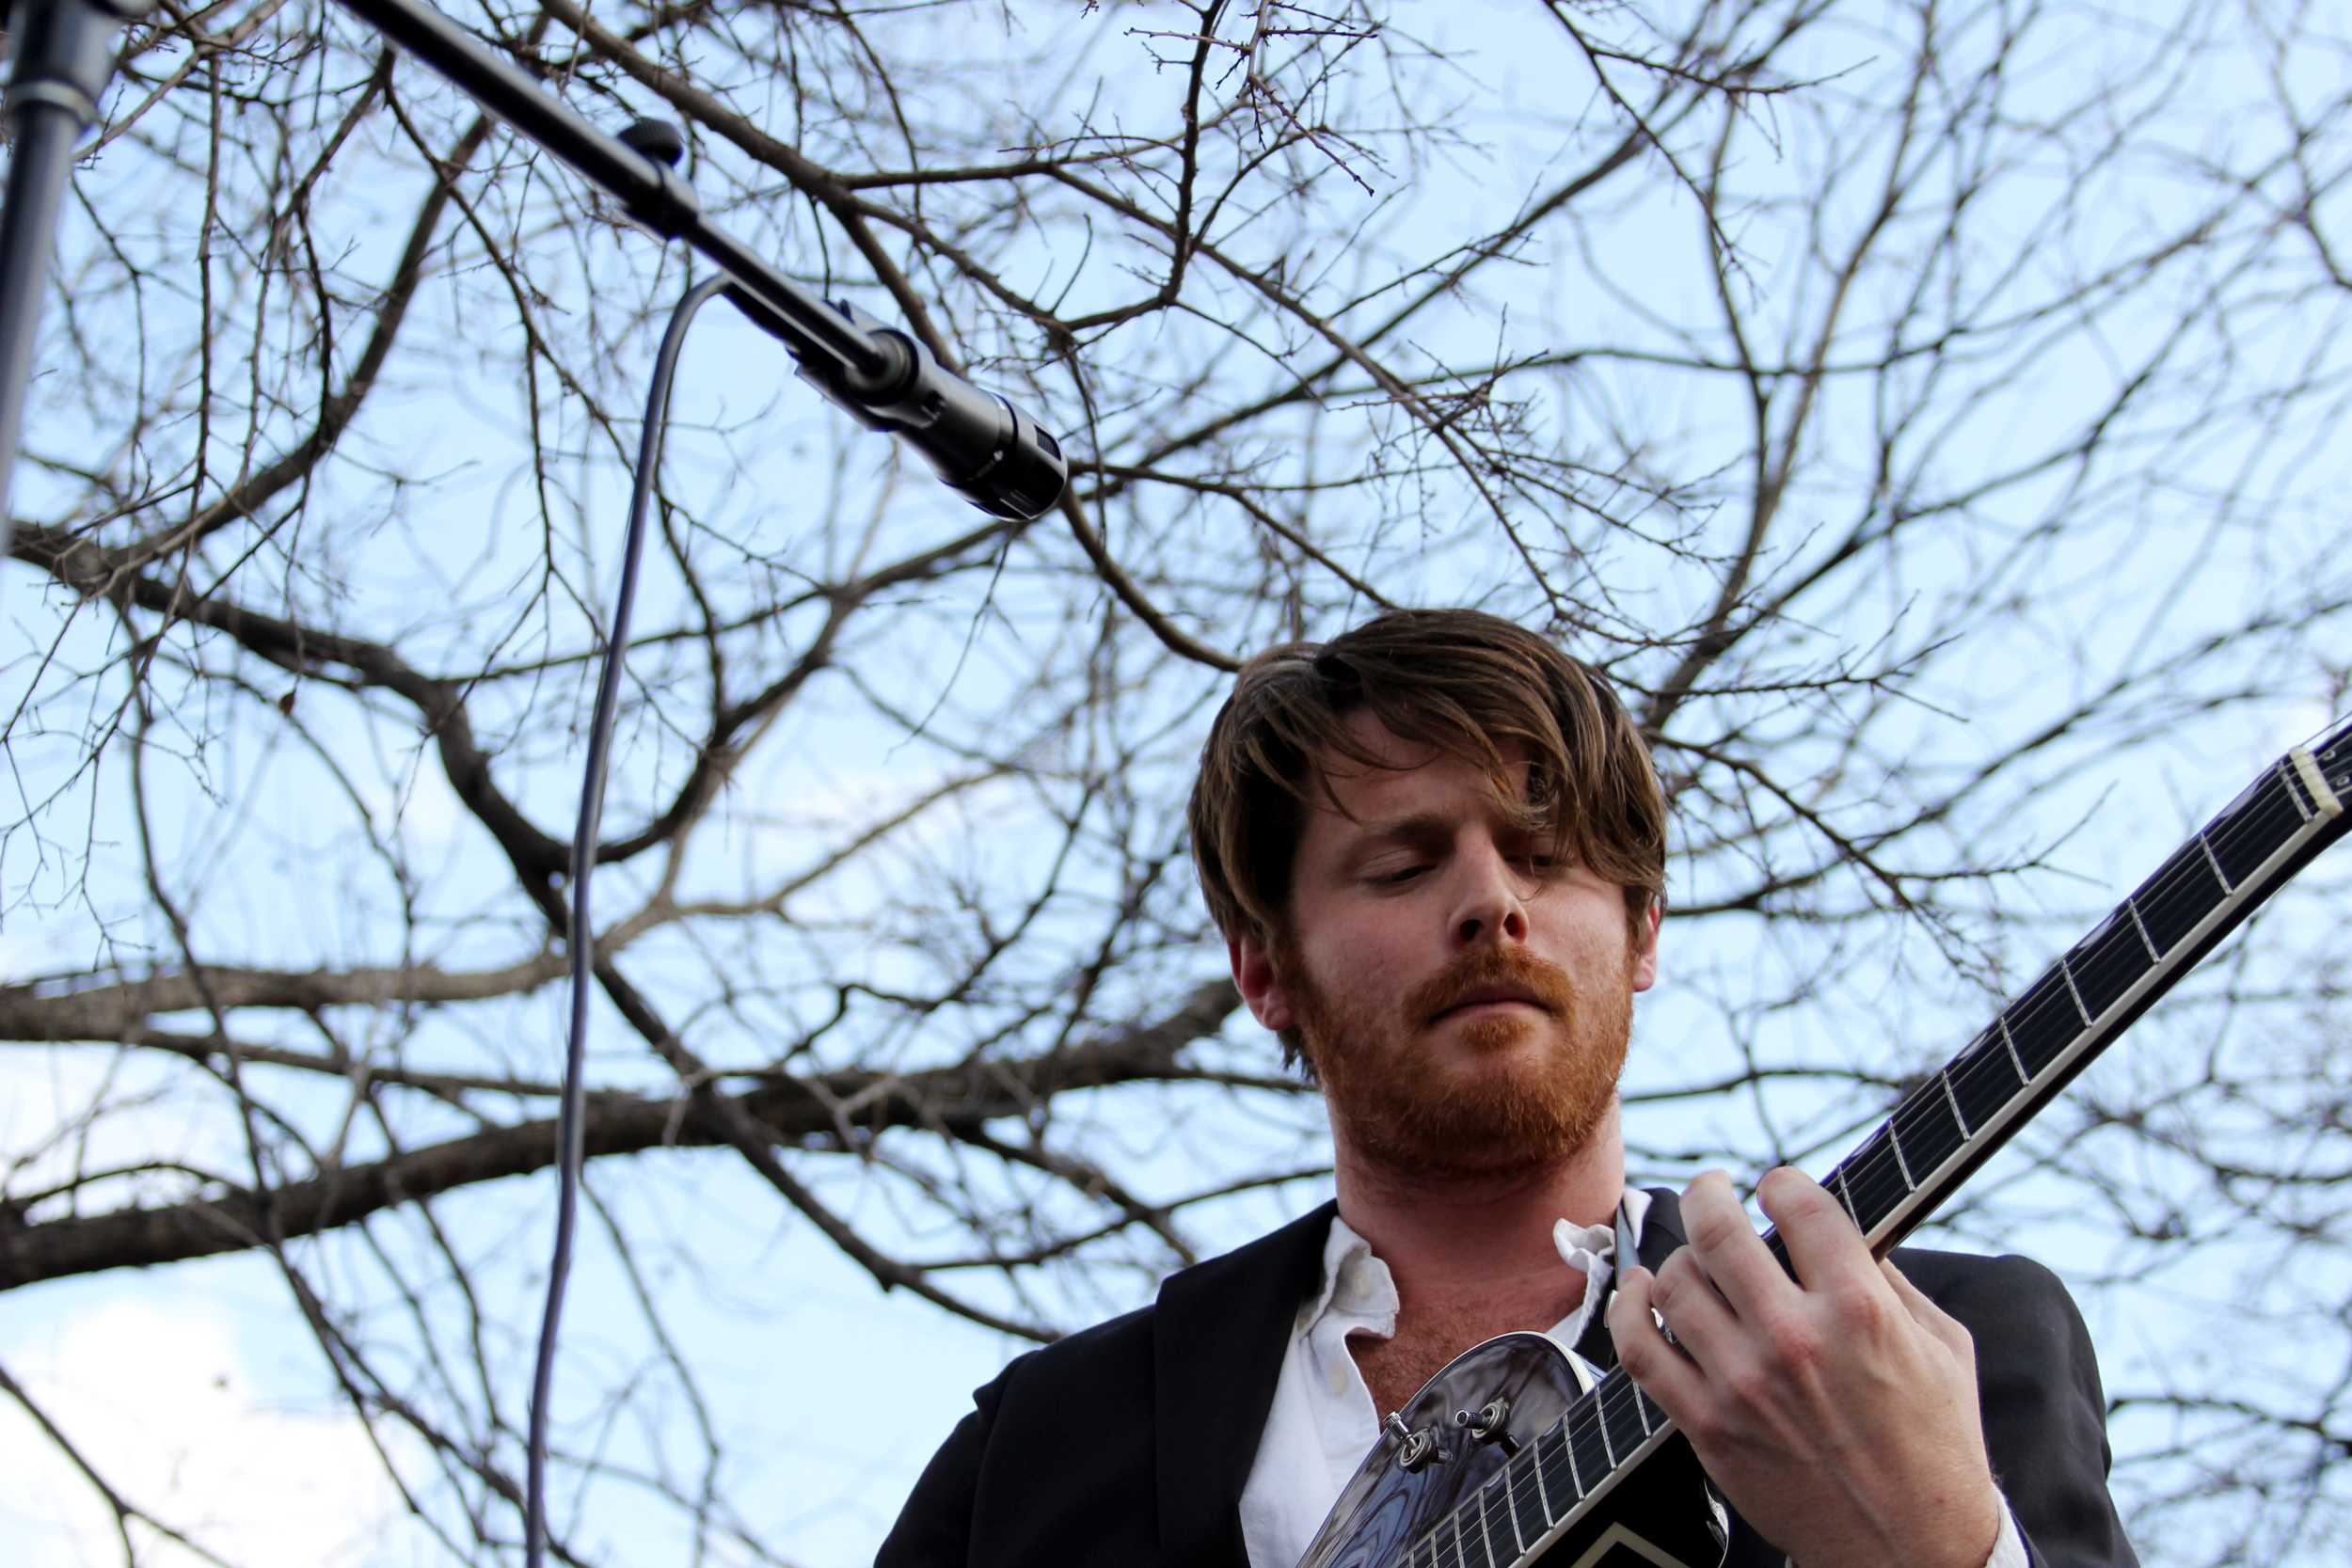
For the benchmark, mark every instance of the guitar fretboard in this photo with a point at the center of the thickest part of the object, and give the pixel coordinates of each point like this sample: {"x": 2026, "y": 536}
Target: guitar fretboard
{"x": 1959, "y": 1115}
{"x": 1955, "y": 1120}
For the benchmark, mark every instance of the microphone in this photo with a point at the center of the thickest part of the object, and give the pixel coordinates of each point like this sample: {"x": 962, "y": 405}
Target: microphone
{"x": 982, "y": 447}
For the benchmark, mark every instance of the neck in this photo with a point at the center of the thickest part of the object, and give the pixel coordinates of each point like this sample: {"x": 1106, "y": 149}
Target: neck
{"x": 1468, "y": 1234}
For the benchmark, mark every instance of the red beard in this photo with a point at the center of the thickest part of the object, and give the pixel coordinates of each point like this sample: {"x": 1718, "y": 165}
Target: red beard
{"x": 1417, "y": 1114}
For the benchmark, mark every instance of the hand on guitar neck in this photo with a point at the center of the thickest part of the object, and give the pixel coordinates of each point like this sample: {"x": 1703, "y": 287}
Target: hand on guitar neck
{"x": 1838, "y": 1410}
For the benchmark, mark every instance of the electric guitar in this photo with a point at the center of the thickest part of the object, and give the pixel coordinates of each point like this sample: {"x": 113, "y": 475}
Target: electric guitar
{"x": 1515, "y": 1452}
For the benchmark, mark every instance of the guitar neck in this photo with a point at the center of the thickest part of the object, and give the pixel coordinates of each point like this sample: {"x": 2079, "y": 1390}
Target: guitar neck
{"x": 1957, "y": 1117}
{"x": 1955, "y": 1120}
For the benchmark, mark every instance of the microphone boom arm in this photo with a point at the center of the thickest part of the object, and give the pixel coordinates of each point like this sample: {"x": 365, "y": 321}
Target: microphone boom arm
{"x": 981, "y": 445}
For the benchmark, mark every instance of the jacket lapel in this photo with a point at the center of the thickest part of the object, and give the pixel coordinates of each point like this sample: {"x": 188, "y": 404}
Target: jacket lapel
{"x": 1219, "y": 1337}
{"x": 1662, "y": 1233}
{"x": 1661, "y": 1227}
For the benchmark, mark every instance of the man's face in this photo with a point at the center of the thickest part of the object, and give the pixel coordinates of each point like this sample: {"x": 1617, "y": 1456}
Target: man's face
{"x": 1463, "y": 997}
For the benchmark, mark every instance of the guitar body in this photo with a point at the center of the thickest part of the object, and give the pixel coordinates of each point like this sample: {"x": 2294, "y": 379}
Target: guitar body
{"x": 1434, "y": 1493}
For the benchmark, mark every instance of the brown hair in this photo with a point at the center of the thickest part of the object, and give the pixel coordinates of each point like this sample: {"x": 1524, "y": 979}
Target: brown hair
{"x": 1463, "y": 682}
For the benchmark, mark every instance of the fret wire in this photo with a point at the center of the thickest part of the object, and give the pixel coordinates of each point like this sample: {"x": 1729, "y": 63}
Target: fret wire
{"x": 1944, "y": 1076}
{"x": 1915, "y": 1113}
{"x": 1578, "y": 1456}
{"x": 1543, "y": 1493}
{"x": 1856, "y": 1170}
{"x": 1900, "y": 1164}
{"x": 1601, "y": 1421}
{"x": 2023, "y": 1076}
{"x": 1511, "y": 1501}
{"x": 1485, "y": 1538}
{"x": 1979, "y": 1080}
{"x": 2259, "y": 820}
{"x": 1619, "y": 1406}
{"x": 2041, "y": 1010}
{"x": 2246, "y": 834}
{"x": 1872, "y": 1207}
{"x": 2073, "y": 990}
{"x": 2132, "y": 903}
{"x": 2108, "y": 964}
{"x": 2213, "y": 861}
{"x": 1923, "y": 1141}
{"x": 2305, "y": 809}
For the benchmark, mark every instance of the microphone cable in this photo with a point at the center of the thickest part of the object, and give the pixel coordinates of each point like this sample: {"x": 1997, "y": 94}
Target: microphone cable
{"x": 570, "y": 1133}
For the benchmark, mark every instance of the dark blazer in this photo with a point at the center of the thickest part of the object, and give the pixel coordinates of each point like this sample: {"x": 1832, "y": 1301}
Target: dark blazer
{"x": 1129, "y": 1443}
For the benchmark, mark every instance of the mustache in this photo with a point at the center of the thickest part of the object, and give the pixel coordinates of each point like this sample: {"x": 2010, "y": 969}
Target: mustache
{"x": 1544, "y": 984}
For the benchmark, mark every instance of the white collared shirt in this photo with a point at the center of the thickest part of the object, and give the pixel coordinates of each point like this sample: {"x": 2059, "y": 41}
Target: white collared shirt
{"x": 1323, "y": 1424}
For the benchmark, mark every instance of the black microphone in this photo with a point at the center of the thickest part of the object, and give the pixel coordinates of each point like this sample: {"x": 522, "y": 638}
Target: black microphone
{"x": 983, "y": 447}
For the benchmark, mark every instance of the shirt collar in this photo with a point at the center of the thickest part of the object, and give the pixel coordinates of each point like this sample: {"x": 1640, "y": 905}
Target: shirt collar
{"x": 1358, "y": 1291}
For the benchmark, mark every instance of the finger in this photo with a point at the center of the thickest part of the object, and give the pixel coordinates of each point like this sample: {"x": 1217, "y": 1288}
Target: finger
{"x": 1733, "y": 1257}
{"x": 1697, "y": 1320}
{"x": 1950, "y": 1330}
{"x": 1662, "y": 1372}
{"x": 1824, "y": 1248}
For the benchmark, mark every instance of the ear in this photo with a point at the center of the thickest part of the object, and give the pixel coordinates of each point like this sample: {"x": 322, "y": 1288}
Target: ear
{"x": 1645, "y": 952}
{"x": 1254, "y": 973}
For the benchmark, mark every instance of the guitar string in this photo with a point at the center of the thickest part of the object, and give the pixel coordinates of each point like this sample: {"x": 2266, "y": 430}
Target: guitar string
{"x": 1616, "y": 1397}
{"x": 2048, "y": 1013}
{"x": 2257, "y": 809}
{"x": 2265, "y": 815}
{"x": 2260, "y": 809}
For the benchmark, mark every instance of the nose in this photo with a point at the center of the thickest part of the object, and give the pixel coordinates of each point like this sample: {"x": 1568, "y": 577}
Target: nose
{"x": 1491, "y": 906}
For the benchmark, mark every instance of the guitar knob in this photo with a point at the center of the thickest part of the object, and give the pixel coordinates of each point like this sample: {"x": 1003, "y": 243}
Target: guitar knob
{"x": 1414, "y": 1449}
{"x": 1485, "y": 1424}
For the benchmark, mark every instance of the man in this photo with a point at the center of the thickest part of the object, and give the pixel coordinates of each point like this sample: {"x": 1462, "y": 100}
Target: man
{"x": 1436, "y": 848}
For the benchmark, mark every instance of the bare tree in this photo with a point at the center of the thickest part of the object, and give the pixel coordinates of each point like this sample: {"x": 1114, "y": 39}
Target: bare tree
{"x": 1922, "y": 410}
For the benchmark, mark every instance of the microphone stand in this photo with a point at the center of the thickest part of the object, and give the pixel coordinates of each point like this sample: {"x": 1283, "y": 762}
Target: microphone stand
{"x": 63, "y": 54}
{"x": 984, "y": 448}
